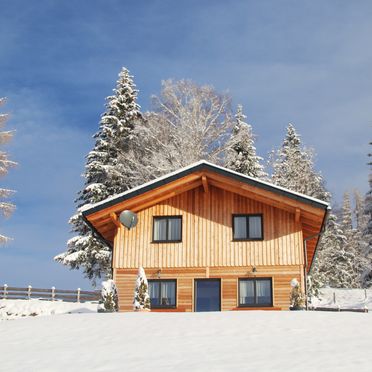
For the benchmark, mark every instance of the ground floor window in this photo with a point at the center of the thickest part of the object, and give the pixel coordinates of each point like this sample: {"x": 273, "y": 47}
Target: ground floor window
{"x": 255, "y": 292}
{"x": 162, "y": 293}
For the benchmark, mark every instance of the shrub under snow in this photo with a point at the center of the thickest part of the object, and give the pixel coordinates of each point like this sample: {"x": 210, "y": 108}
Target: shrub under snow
{"x": 141, "y": 293}
{"x": 109, "y": 297}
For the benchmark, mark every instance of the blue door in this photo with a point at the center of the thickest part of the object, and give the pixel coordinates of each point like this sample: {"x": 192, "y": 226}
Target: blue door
{"x": 207, "y": 295}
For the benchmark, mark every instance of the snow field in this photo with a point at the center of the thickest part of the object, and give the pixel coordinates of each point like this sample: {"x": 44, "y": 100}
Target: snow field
{"x": 223, "y": 341}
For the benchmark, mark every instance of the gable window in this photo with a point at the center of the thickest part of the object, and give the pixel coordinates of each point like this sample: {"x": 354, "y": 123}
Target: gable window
{"x": 247, "y": 227}
{"x": 162, "y": 293}
{"x": 255, "y": 292}
{"x": 167, "y": 229}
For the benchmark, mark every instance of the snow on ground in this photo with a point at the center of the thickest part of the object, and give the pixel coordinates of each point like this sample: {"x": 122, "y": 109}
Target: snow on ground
{"x": 12, "y": 309}
{"x": 345, "y": 298}
{"x": 220, "y": 341}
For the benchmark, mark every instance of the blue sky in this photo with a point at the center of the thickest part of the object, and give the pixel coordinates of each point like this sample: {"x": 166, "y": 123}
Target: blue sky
{"x": 305, "y": 62}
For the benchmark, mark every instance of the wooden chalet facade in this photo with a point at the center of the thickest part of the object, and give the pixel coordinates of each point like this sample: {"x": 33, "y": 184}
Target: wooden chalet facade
{"x": 210, "y": 239}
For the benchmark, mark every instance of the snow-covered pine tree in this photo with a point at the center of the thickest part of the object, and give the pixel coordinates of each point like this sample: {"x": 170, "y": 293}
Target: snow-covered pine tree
{"x": 188, "y": 123}
{"x": 109, "y": 297}
{"x": 333, "y": 266}
{"x": 240, "y": 150}
{"x": 339, "y": 262}
{"x": 350, "y": 246}
{"x": 347, "y": 219}
{"x": 367, "y": 233}
{"x": 359, "y": 208}
{"x": 361, "y": 240}
{"x": 293, "y": 168}
{"x": 106, "y": 173}
{"x": 6, "y": 208}
{"x": 141, "y": 299}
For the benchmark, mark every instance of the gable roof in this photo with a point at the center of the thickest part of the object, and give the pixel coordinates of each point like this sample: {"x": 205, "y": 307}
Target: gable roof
{"x": 201, "y": 165}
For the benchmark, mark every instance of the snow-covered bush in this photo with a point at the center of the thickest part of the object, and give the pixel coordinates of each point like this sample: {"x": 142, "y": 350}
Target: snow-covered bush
{"x": 297, "y": 298}
{"x": 109, "y": 297}
{"x": 141, "y": 293}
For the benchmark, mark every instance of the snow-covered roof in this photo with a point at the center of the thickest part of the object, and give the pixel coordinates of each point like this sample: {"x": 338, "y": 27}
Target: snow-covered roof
{"x": 200, "y": 165}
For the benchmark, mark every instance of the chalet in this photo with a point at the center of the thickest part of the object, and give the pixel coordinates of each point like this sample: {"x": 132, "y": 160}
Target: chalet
{"x": 210, "y": 239}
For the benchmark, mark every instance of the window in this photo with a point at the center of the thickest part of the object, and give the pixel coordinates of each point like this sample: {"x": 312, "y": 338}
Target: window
{"x": 167, "y": 229}
{"x": 162, "y": 293}
{"x": 255, "y": 292}
{"x": 247, "y": 227}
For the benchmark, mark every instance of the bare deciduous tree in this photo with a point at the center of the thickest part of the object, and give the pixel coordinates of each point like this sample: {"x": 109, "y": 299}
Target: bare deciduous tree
{"x": 188, "y": 123}
{"x": 6, "y": 208}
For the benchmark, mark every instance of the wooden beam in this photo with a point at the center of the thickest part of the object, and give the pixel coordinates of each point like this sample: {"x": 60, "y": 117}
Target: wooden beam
{"x": 205, "y": 183}
{"x": 115, "y": 219}
{"x": 297, "y": 215}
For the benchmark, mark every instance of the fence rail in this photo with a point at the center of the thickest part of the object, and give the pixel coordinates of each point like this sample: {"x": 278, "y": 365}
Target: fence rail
{"x": 51, "y": 294}
{"x": 336, "y": 309}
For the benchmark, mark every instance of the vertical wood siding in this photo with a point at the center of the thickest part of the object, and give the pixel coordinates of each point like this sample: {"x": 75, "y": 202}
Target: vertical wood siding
{"x": 207, "y": 234}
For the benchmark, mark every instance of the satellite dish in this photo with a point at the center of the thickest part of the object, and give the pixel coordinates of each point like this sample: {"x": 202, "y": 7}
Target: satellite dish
{"x": 129, "y": 219}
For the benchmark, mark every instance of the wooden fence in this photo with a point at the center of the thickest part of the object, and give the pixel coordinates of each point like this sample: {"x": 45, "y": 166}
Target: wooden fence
{"x": 338, "y": 308}
{"x": 51, "y": 294}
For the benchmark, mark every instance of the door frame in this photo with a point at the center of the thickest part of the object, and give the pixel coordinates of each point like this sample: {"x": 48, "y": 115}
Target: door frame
{"x": 196, "y": 291}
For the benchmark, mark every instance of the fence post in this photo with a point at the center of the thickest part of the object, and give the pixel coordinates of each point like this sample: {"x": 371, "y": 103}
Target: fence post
{"x": 365, "y": 295}
{"x": 53, "y": 293}
{"x": 78, "y": 294}
{"x": 334, "y": 297}
{"x": 5, "y": 291}
{"x": 29, "y": 292}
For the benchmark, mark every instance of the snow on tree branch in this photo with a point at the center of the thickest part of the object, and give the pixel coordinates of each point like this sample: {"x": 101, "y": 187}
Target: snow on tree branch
{"x": 6, "y": 208}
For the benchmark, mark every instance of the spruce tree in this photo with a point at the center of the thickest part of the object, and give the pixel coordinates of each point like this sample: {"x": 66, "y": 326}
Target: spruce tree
{"x": 334, "y": 263}
{"x": 106, "y": 173}
{"x": 240, "y": 150}
{"x": 141, "y": 300}
{"x": 109, "y": 302}
{"x": 347, "y": 219}
{"x": 361, "y": 241}
{"x": 350, "y": 246}
{"x": 6, "y": 208}
{"x": 293, "y": 168}
{"x": 367, "y": 232}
